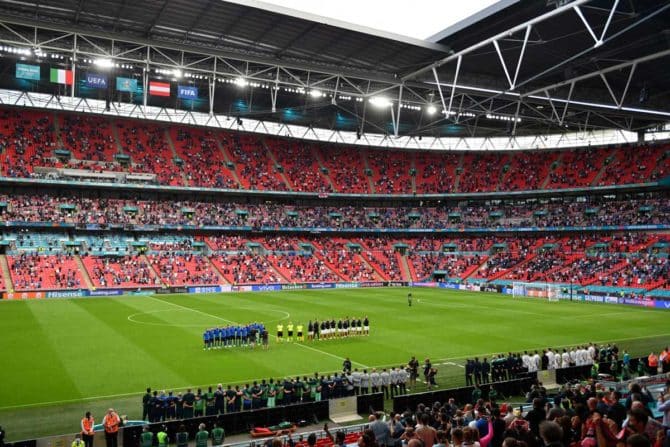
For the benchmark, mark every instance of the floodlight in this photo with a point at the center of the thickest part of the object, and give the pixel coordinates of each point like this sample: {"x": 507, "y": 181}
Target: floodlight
{"x": 241, "y": 82}
{"x": 103, "y": 63}
{"x": 380, "y": 102}
{"x": 431, "y": 109}
{"x": 315, "y": 93}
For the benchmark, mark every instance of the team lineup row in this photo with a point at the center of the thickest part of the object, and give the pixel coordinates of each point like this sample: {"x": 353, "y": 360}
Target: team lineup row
{"x": 344, "y": 327}
{"x": 230, "y": 336}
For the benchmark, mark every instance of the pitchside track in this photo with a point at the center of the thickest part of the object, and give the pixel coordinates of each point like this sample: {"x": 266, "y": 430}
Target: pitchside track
{"x": 63, "y": 357}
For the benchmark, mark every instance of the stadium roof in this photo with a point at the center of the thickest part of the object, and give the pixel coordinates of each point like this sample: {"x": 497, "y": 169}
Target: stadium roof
{"x": 516, "y": 68}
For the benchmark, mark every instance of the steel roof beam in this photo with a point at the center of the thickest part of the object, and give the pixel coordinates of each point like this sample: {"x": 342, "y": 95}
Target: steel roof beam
{"x": 491, "y": 40}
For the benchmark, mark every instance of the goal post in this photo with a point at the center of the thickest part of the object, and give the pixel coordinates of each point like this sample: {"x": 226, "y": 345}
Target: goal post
{"x": 552, "y": 292}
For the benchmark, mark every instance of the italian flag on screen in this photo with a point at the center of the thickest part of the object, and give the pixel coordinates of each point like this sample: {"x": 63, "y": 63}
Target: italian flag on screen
{"x": 59, "y": 76}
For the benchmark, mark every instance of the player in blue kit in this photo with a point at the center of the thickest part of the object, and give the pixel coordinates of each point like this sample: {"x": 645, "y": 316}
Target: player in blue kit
{"x": 206, "y": 340}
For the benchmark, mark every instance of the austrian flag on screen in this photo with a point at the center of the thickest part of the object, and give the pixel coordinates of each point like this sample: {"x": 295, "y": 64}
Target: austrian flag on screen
{"x": 159, "y": 88}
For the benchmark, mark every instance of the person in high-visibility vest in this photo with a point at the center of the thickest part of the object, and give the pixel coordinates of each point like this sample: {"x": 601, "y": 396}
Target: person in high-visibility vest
{"x": 652, "y": 363}
{"x": 201, "y": 437}
{"x": 147, "y": 437}
{"x": 87, "y": 431}
{"x": 162, "y": 437}
{"x": 218, "y": 435}
{"x": 111, "y": 423}
{"x": 182, "y": 436}
{"x": 280, "y": 332}
{"x": 77, "y": 441}
{"x": 301, "y": 337}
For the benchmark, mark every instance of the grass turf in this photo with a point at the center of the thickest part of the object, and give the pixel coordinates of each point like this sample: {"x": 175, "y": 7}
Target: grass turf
{"x": 64, "y": 357}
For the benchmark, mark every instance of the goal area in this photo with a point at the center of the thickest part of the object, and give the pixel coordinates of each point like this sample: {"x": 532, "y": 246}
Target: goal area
{"x": 552, "y": 292}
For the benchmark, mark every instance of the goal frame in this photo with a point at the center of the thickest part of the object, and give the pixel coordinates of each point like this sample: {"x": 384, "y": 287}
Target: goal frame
{"x": 550, "y": 291}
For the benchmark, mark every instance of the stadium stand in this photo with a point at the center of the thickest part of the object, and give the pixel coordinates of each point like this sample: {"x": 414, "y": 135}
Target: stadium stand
{"x": 189, "y": 156}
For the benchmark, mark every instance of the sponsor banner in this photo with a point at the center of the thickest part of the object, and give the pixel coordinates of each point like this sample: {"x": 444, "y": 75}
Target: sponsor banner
{"x": 634, "y": 302}
{"x": 204, "y": 289}
{"x": 662, "y": 304}
{"x": 593, "y": 298}
{"x": 241, "y": 288}
{"x": 611, "y": 300}
{"x": 110, "y": 292}
{"x": 94, "y": 80}
{"x": 23, "y": 295}
{"x": 293, "y": 286}
{"x": 321, "y": 285}
{"x": 126, "y": 84}
{"x": 66, "y": 293}
{"x": 448, "y": 285}
{"x": 159, "y": 88}
{"x": 59, "y": 76}
{"x": 372, "y": 284}
{"x": 490, "y": 289}
{"x": 187, "y": 92}
{"x": 25, "y": 71}
{"x": 226, "y": 288}
{"x": 424, "y": 284}
{"x": 265, "y": 288}
{"x": 396, "y": 284}
{"x": 348, "y": 285}
{"x": 144, "y": 292}
{"x": 164, "y": 291}
{"x": 473, "y": 287}
{"x": 179, "y": 289}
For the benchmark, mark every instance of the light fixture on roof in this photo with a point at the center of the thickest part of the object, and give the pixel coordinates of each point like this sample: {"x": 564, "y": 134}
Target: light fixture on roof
{"x": 380, "y": 102}
{"x": 103, "y": 63}
{"x": 241, "y": 82}
{"x": 431, "y": 109}
{"x": 177, "y": 73}
{"x": 314, "y": 93}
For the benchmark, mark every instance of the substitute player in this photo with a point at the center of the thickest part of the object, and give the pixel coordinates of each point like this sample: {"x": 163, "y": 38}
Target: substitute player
{"x": 300, "y": 337}
{"x": 280, "y": 332}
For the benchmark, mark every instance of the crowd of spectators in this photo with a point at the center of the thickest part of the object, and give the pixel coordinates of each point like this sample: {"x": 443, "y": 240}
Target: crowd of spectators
{"x": 82, "y": 210}
{"x": 200, "y": 157}
{"x": 126, "y": 271}
{"x": 35, "y": 272}
{"x": 633, "y": 260}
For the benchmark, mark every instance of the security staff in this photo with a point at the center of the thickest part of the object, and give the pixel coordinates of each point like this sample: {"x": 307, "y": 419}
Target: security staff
{"x": 111, "y": 423}
{"x": 87, "y": 431}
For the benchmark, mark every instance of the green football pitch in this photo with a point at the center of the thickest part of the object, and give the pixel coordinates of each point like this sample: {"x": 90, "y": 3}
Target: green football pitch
{"x": 64, "y": 357}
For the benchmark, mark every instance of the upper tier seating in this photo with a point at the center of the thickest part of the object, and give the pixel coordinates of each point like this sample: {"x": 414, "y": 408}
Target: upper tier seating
{"x": 188, "y": 156}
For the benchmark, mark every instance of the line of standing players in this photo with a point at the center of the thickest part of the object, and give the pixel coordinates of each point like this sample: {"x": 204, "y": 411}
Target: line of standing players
{"x": 344, "y": 327}
{"x": 232, "y": 336}
{"x": 325, "y": 329}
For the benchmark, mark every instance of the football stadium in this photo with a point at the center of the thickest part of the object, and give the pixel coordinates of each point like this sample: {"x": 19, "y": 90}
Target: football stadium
{"x": 232, "y": 222}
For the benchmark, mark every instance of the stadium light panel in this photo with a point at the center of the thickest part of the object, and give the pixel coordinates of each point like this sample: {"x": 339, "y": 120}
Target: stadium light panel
{"x": 431, "y": 109}
{"x": 315, "y": 93}
{"x": 103, "y": 63}
{"x": 380, "y": 102}
{"x": 241, "y": 82}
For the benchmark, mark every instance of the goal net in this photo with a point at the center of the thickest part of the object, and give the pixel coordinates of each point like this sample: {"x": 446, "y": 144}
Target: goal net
{"x": 552, "y": 292}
